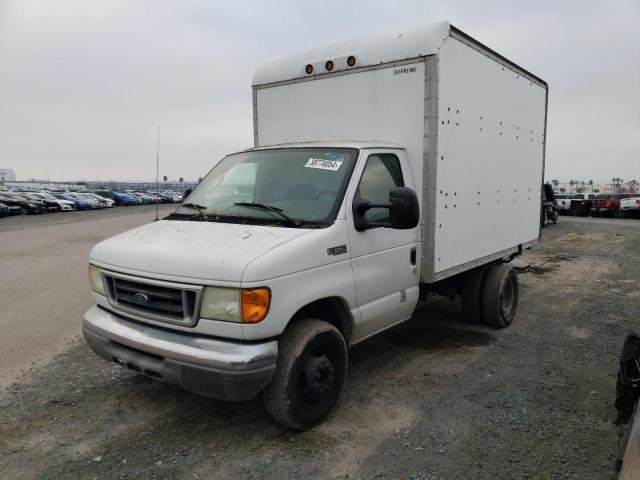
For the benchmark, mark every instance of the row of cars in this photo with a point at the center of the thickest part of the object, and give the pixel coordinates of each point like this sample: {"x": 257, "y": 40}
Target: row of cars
{"x": 24, "y": 202}
{"x": 599, "y": 205}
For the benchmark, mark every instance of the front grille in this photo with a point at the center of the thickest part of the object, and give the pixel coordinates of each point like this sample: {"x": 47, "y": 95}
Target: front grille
{"x": 155, "y": 300}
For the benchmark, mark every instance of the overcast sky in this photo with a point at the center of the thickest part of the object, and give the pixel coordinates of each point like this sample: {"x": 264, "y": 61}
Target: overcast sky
{"x": 83, "y": 84}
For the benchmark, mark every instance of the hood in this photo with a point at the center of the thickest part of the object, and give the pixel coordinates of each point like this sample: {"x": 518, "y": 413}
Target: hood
{"x": 191, "y": 251}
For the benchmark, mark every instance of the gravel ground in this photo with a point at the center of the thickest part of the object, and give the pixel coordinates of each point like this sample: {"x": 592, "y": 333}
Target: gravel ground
{"x": 431, "y": 399}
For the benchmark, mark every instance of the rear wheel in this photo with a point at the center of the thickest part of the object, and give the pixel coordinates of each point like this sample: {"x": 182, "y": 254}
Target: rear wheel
{"x": 500, "y": 296}
{"x": 310, "y": 374}
{"x": 554, "y": 216}
{"x": 471, "y": 293}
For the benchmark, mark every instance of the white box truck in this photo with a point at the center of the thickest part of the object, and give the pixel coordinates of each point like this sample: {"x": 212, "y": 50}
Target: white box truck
{"x": 384, "y": 168}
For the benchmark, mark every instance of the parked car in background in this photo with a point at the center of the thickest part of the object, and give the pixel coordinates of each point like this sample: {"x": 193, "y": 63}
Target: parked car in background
{"x": 80, "y": 203}
{"x": 581, "y": 204}
{"x": 104, "y": 202}
{"x": 144, "y": 199}
{"x": 117, "y": 197}
{"x": 607, "y": 205}
{"x": 95, "y": 204}
{"x": 133, "y": 198}
{"x": 8, "y": 210}
{"x": 26, "y": 207}
{"x": 630, "y": 205}
{"x": 563, "y": 200}
{"x": 65, "y": 205}
{"x": 51, "y": 205}
{"x": 45, "y": 207}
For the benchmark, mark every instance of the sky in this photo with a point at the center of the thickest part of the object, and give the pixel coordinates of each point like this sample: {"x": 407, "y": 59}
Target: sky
{"x": 84, "y": 84}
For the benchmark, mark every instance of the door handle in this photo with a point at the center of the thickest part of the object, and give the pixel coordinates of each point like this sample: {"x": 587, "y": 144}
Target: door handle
{"x": 412, "y": 256}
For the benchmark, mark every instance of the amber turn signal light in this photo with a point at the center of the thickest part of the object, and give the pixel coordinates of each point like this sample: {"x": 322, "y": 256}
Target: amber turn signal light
{"x": 255, "y": 304}
{"x": 309, "y": 69}
{"x": 351, "y": 61}
{"x": 329, "y": 65}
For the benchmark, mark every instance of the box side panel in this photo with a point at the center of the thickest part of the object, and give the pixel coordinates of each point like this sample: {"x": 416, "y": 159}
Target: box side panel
{"x": 376, "y": 104}
{"x": 491, "y": 128}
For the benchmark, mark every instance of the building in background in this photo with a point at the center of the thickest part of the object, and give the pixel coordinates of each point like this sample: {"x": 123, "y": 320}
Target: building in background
{"x": 574, "y": 186}
{"x": 7, "y": 175}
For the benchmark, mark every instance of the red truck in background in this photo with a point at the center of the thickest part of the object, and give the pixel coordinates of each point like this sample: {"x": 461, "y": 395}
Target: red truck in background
{"x": 608, "y": 205}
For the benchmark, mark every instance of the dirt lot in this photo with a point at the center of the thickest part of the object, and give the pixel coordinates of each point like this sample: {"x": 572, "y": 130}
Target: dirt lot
{"x": 431, "y": 399}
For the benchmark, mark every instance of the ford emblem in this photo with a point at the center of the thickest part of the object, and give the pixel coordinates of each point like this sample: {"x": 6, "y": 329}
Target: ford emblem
{"x": 140, "y": 298}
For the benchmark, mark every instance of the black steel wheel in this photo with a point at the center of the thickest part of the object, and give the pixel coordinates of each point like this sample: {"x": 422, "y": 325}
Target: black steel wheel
{"x": 500, "y": 296}
{"x": 310, "y": 374}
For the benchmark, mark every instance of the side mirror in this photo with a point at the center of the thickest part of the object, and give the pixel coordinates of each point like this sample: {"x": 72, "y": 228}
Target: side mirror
{"x": 404, "y": 211}
{"x": 186, "y": 193}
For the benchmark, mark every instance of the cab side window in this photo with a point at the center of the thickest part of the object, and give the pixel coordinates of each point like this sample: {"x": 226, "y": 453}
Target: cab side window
{"x": 382, "y": 173}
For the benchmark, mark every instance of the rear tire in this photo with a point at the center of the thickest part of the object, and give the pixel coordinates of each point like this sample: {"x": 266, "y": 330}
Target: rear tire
{"x": 310, "y": 374}
{"x": 471, "y": 293}
{"x": 500, "y": 296}
{"x": 555, "y": 216}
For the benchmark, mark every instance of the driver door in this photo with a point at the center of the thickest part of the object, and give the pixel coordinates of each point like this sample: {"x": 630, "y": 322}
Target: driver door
{"x": 385, "y": 261}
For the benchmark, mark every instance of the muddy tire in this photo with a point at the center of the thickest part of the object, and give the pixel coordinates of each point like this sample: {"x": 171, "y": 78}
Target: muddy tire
{"x": 555, "y": 216}
{"x": 471, "y": 293}
{"x": 310, "y": 374}
{"x": 500, "y": 296}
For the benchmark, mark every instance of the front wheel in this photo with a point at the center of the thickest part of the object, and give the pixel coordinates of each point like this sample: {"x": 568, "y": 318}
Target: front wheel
{"x": 310, "y": 374}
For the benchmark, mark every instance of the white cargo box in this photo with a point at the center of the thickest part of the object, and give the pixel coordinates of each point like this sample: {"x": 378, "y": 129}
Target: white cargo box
{"x": 472, "y": 124}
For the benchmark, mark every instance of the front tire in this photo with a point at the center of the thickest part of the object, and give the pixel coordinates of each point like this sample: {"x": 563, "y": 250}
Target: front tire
{"x": 310, "y": 374}
{"x": 500, "y": 296}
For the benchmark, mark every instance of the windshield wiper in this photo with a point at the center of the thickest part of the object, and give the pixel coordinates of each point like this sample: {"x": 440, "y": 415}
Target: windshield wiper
{"x": 269, "y": 208}
{"x": 199, "y": 208}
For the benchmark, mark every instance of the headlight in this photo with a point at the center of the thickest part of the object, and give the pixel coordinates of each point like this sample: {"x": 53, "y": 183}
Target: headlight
{"x": 235, "y": 305}
{"x": 95, "y": 280}
{"x": 220, "y": 303}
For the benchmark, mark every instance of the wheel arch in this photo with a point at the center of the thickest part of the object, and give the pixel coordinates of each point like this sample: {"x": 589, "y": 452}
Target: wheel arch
{"x": 333, "y": 310}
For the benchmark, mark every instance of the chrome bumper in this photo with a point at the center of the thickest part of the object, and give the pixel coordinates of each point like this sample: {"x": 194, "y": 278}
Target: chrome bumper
{"x": 211, "y": 367}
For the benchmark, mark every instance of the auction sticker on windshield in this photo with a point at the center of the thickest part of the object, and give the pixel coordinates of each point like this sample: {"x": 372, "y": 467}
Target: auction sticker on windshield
{"x": 323, "y": 164}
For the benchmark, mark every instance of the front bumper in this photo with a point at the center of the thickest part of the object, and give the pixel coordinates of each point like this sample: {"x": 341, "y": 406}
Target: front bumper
{"x": 203, "y": 365}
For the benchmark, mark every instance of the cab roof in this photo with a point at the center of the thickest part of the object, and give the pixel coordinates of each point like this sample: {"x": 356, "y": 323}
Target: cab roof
{"x": 346, "y": 144}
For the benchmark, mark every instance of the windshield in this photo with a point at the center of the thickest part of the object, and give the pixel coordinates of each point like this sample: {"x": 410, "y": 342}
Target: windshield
{"x": 301, "y": 185}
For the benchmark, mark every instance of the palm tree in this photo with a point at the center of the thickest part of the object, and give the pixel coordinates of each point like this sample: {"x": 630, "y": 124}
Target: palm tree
{"x": 617, "y": 181}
